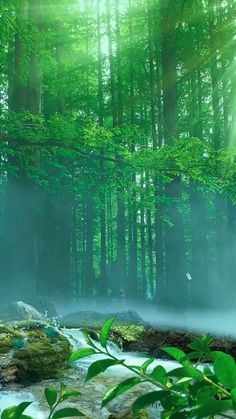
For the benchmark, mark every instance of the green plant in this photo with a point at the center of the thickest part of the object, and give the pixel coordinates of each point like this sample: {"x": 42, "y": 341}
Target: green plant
{"x": 194, "y": 389}
{"x": 54, "y": 398}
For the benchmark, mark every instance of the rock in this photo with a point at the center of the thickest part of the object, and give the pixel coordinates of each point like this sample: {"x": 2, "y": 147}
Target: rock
{"x": 28, "y": 354}
{"x": 95, "y": 320}
{"x": 44, "y": 306}
{"x": 19, "y": 310}
{"x": 128, "y": 337}
{"x": 153, "y": 340}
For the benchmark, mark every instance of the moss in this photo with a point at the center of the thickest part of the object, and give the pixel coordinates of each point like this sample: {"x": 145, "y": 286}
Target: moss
{"x": 42, "y": 358}
{"x": 125, "y": 335}
{"x": 4, "y": 330}
{"x": 28, "y": 324}
{"x": 143, "y": 414}
{"x": 5, "y": 345}
{"x": 6, "y": 337}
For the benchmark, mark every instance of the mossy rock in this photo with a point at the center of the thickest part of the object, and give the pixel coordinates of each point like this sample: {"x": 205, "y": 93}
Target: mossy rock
{"x": 127, "y": 336}
{"x": 42, "y": 358}
{"x": 95, "y": 320}
{"x": 31, "y": 354}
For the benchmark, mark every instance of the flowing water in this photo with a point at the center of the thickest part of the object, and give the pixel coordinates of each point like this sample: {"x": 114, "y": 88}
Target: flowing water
{"x": 132, "y": 358}
{"x": 10, "y": 398}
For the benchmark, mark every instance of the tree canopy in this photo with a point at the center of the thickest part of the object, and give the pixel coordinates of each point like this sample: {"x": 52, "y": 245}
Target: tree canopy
{"x": 117, "y": 145}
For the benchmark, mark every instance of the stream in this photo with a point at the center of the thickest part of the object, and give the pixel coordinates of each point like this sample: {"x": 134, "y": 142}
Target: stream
{"x": 13, "y": 397}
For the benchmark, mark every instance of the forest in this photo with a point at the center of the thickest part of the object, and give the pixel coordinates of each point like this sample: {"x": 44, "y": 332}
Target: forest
{"x": 118, "y": 151}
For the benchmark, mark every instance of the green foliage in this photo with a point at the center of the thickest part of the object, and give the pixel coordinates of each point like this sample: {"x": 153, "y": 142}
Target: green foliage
{"x": 81, "y": 353}
{"x": 119, "y": 389}
{"x": 54, "y": 399}
{"x": 105, "y": 331}
{"x": 15, "y": 412}
{"x": 51, "y": 396}
{"x": 100, "y": 366}
{"x": 191, "y": 390}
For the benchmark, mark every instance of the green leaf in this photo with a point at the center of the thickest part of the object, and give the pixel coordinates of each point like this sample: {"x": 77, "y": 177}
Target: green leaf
{"x": 193, "y": 355}
{"x": 233, "y": 395}
{"x": 21, "y": 408}
{"x": 68, "y": 394}
{"x": 87, "y": 337}
{"x": 205, "y": 394}
{"x": 81, "y": 353}
{"x": 146, "y": 400}
{"x": 121, "y": 388}
{"x": 50, "y": 395}
{"x": 159, "y": 374}
{"x": 216, "y": 354}
{"x": 62, "y": 388}
{"x": 15, "y": 412}
{"x": 176, "y": 353}
{"x": 201, "y": 344}
{"x": 67, "y": 412}
{"x": 167, "y": 400}
{"x": 9, "y": 413}
{"x": 212, "y": 407}
{"x": 146, "y": 364}
{"x": 100, "y": 366}
{"x": 188, "y": 371}
{"x": 225, "y": 370}
{"x": 105, "y": 332}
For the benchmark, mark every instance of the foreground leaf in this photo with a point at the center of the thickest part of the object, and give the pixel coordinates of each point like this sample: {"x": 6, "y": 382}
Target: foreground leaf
{"x": 159, "y": 374}
{"x": 146, "y": 364}
{"x": 81, "y": 353}
{"x": 177, "y": 354}
{"x": 147, "y": 400}
{"x": 68, "y": 394}
{"x": 50, "y": 395}
{"x": 15, "y": 412}
{"x": 225, "y": 370}
{"x": 100, "y": 366}
{"x": 188, "y": 371}
{"x": 212, "y": 407}
{"x": 67, "y": 412}
{"x": 121, "y": 388}
{"x": 233, "y": 395}
{"x": 105, "y": 332}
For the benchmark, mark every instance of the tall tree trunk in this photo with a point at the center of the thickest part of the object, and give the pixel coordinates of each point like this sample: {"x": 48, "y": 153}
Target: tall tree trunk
{"x": 132, "y": 289}
{"x": 174, "y": 231}
{"x": 103, "y": 241}
{"x": 22, "y": 205}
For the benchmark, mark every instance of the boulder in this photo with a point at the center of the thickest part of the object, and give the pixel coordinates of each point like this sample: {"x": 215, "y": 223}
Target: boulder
{"x": 152, "y": 340}
{"x": 93, "y": 319}
{"x": 44, "y": 306}
{"x": 30, "y": 354}
{"x": 18, "y": 310}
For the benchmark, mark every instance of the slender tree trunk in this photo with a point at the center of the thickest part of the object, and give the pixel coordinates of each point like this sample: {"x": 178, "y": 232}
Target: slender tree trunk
{"x": 133, "y": 234}
{"x": 103, "y": 241}
{"x": 22, "y": 205}
{"x": 174, "y": 235}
